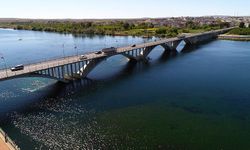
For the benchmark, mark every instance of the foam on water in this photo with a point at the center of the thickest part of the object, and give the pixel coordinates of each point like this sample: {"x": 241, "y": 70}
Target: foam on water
{"x": 4, "y": 95}
{"x": 34, "y": 86}
{"x": 53, "y": 130}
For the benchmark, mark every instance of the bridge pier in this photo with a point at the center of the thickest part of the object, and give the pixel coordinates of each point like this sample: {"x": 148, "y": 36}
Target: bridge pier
{"x": 89, "y": 66}
{"x": 142, "y": 53}
{"x": 195, "y": 40}
{"x": 130, "y": 55}
{"x": 171, "y": 46}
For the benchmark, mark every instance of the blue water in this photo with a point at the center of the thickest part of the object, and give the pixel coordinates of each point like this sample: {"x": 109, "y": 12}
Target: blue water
{"x": 196, "y": 100}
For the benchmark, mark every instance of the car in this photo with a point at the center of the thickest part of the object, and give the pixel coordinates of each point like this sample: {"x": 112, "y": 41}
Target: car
{"x": 99, "y": 52}
{"x": 109, "y": 50}
{"x": 82, "y": 57}
{"x": 181, "y": 36}
{"x": 17, "y": 68}
{"x": 133, "y": 45}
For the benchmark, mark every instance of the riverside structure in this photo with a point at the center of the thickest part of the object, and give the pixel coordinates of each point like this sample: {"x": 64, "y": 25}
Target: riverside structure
{"x": 75, "y": 67}
{"x": 6, "y": 143}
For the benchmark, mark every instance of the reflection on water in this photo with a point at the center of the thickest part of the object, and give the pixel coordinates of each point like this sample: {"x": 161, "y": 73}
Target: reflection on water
{"x": 194, "y": 100}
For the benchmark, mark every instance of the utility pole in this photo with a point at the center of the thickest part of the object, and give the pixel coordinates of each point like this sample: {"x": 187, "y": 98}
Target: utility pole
{"x": 2, "y": 57}
{"x": 63, "y": 50}
{"x": 76, "y": 50}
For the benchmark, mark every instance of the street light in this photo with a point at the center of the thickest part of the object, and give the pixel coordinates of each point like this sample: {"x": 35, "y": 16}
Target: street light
{"x": 76, "y": 50}
{"x": 63, "y": 50}
{"x": 2, "y": 57}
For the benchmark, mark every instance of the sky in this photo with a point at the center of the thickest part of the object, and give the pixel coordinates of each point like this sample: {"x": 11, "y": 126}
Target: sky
{"x": 99, "y": 9}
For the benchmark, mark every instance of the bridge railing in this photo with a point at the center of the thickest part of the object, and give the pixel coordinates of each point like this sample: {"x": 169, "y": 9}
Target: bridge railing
{"x": 212, "y": 31}
{"x": 36, "y": 62}
{"x": 8, "y": 140}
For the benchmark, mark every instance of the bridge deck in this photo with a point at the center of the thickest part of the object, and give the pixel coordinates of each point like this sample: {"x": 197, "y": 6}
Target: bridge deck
{"x": 7, "y": 73}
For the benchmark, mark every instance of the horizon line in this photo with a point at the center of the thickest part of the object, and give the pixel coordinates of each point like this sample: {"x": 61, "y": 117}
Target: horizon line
{"x": 127, "y": 18}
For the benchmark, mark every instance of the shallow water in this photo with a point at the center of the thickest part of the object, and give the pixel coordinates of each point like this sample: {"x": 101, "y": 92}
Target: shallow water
{"x": 195, "y": 100}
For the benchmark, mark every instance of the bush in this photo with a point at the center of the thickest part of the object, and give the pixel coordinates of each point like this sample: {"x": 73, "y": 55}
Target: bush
{"x": 240, "y": 31}
{"x": 19, "y": 27}
{"x": 242, "y": 25}
{"x": 126, "y": 26}
{"x": 161, "y": 31}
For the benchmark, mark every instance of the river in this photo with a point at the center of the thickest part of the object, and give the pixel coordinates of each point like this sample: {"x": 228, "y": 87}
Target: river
{"x": 199, "y": 99}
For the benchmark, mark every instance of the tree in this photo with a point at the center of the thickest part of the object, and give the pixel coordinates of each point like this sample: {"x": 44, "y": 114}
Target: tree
{"x": 249, "y": 25}
{"x": 143, "y": 26}
{"x": 19, "y": 27}
{"x": 161, "y": 31}
{"x": 88, "y": 24}
{"x": 242, "y": 25}
{"x": 132, "y": 25}
{"x": 224, "y": 25}
{"x": 172, "y": 32}
{"x": 126, "y": 26}
{"x": 151, "y": 25}
{"x": 190, "y": 24}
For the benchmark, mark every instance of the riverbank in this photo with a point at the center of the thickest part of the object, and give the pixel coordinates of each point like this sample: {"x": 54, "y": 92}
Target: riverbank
{"x": 234, "y": 37}
{"x": 119, "y": 28}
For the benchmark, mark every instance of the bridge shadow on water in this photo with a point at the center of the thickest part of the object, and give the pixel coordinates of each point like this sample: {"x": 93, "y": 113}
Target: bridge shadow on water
{"x": 191, "y": 48}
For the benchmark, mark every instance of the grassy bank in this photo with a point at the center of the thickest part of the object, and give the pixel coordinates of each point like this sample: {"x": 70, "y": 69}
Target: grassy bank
{"x": 240, "y": 31}
{"x": 108, "y": 28}
{"x": 237, "y": 34}
{"x": 234, "y": 37}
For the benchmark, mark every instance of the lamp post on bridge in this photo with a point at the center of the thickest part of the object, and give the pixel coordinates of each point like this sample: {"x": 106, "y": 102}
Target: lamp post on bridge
{"x": 76, "y": 48}
{"x": 5, "y": 64}
{"x": 63, "y": 51}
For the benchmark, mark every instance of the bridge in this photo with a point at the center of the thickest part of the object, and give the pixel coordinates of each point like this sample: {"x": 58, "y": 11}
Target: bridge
{"x": 73, "y": 67}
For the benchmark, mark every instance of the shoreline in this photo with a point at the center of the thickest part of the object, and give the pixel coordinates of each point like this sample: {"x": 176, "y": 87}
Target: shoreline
{"x": 234, "y": 37}
{"x": 150, "y": 32}
{"x": 116, "y": 34}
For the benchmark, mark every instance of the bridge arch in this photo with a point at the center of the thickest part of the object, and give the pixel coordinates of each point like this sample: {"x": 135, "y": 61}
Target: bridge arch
{"x": 93, "y": 64}
{"x": 167, "y": 47}
{"x": 133, "y": 55}
{"x": 157, "y": 51}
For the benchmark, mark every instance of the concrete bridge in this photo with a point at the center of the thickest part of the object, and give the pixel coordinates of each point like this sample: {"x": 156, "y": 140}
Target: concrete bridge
{"x": 69, "y": 68}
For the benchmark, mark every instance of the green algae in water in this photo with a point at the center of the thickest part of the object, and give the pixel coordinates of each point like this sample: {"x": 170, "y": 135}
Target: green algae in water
{"x": 166, "y": 127}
